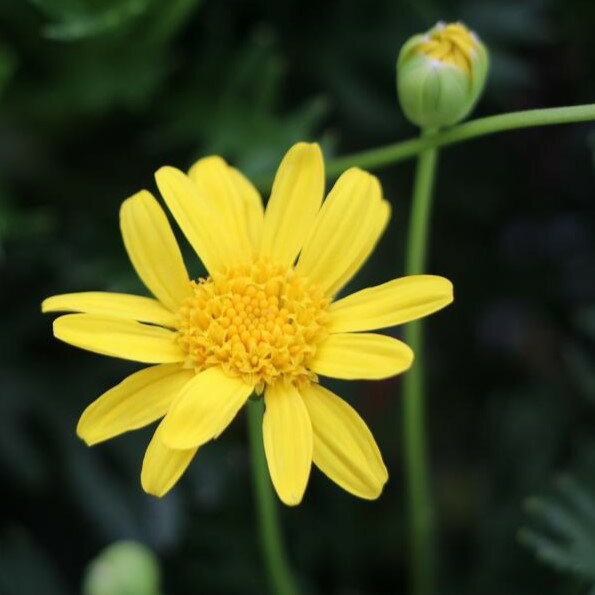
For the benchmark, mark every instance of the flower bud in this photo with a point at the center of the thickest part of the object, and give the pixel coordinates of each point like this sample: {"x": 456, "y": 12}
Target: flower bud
{"x": 440, "y": 75}
{"x": 123, "y": 568}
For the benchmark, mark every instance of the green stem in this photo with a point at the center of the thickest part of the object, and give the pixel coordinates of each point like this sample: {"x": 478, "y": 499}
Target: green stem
{"x": 374, "y": 158}
{"x": 380, "y": 156}
{"x": 420, "y": 509}
{"x": 280, "y": 576}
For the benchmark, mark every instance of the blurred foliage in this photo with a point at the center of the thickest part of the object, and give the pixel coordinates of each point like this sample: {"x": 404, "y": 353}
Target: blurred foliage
{"x": 123, "y": 568}
{"x": 95, "y": 95}
{"x": 567, "y": 541}
{"x": 77, "y": 20}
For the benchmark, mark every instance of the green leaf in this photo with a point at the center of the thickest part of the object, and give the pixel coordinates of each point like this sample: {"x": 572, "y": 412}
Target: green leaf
{"x": 562, "y": 531}
{"x": 77, "y": 20}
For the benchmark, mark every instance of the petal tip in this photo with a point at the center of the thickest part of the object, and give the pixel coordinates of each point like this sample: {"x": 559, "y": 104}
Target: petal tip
{"x": 292, "y": 499}
{"x": 374, "y": 488}
{"x": 86, "y": 436}
{"x": 165, "y": 174}
{"x": 166, "y": 169}
{"x": 156, "y": 491}
{"x": 409, "y": 359}
{"x": 58, "y": 324}
{"x": 306, "y": 149}
{"x": 375, "y": 493}
{"x": 141, "y": 195}
{"x": 84, "y": 430}
{"x": 208, "y": 160}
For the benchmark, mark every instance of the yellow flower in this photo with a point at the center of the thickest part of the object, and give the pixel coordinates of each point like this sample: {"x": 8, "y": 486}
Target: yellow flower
{"x": 259, "y": 322}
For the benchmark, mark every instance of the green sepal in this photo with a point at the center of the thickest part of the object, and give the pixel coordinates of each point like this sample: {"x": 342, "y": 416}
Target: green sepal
{"x": 433, "y": 94}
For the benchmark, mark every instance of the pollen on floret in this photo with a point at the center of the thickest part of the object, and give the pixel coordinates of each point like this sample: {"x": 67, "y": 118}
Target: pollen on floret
{"x": 260, "y": 322}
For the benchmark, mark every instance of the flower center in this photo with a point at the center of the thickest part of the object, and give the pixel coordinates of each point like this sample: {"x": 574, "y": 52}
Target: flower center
{"x": 260, "y": 322}
{"x": 450, "y": 44}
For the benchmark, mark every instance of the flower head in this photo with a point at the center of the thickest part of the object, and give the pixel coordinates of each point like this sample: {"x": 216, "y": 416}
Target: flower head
{"x": 263, "y": 320}
{"x": 441, "y": 74}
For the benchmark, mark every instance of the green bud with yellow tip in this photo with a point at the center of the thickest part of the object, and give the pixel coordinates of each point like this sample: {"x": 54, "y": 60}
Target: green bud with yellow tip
{"x": 441, "y": 74}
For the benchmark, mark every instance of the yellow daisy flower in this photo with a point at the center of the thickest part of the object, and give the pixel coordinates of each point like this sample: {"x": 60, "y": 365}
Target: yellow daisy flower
{"x": 264, "y": 320}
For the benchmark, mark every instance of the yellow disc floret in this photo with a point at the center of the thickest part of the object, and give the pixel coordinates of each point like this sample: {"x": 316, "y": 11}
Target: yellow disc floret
{"x": 260, "y": 322}
{"x": 450, "y": 44}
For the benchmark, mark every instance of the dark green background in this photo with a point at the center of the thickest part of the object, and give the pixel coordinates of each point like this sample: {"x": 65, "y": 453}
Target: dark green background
{"x": 96, "y": 95}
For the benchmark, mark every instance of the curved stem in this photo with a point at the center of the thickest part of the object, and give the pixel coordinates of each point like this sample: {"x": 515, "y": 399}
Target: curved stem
{"x": 273, "y": 549}
{"x": 420, "y": 508}
{"x": 392, "y": 153}
{"x": 380, "y": 156}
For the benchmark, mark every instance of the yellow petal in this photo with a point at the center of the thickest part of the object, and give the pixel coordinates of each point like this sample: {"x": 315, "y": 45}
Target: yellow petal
{"x": 361, "y": 355}
{"x": 208, "y": 233}
{"x": 116, "y": 305}
{"x": 253, "y": 209}
{"x": 204, "y": 408}
{"x": 218, "y": 184}
{"x": 398, "y": 301}
{"x": 287, "y": 434}
{"x": 119, "y": 338}
{"x": 153, "y": 249}
{"x": 295, "y": 199}
{"x": 344, "y": 448}
{"x": 163, "y": 466}
{"x": 371, "y": 229}
{"x": 342, "y": 226}
{"x": 137, "y": 401}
